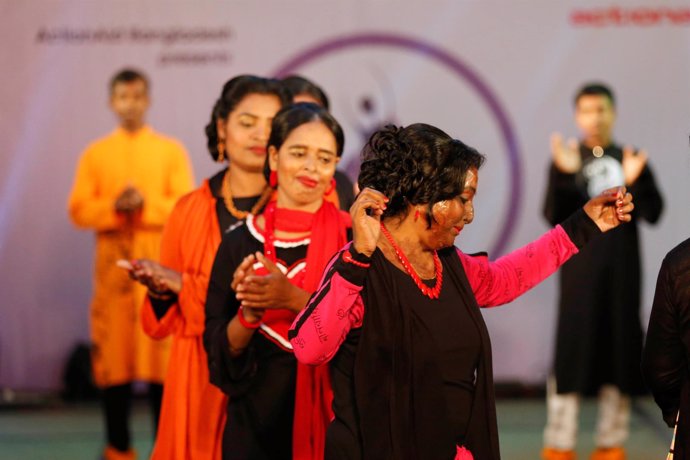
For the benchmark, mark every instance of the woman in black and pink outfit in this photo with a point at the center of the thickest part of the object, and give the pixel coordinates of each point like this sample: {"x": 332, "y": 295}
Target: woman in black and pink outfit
{"x": 397, "y": 313}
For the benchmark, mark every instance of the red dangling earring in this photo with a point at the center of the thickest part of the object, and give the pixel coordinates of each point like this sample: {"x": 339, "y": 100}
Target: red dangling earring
{"x": 331, "y": 187}
{"x": 416, "y": 215}
{"x": 273, "y": 179}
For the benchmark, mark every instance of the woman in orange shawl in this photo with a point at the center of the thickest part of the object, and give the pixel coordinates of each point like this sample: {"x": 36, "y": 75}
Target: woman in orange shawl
{"x": 193, "y": 410}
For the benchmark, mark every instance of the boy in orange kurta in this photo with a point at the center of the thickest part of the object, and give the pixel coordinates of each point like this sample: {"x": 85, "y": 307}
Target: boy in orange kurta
{"x": 125, "y": 187}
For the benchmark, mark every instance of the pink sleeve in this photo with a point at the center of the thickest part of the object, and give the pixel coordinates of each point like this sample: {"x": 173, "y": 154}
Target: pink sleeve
{"x": 499, "y": 282}
{"x": 333, "y": 310}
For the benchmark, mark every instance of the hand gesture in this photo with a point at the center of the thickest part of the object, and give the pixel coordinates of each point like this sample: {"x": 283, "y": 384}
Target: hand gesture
{"x": 633, "y": 164}
{"x": 366, "y": 214}
{"x": 610, "y": 208}
{"x": 129, "y": 201}
{"x": 153, "y": 275}
{"x": 244, "y": 269}
{"x": 566, "y": 157}
{"x": 273, "y": 290}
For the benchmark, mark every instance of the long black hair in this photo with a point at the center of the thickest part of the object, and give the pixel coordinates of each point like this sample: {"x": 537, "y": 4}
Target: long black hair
{"x": 232, "y": 94}
{"x": 297, "y": 85}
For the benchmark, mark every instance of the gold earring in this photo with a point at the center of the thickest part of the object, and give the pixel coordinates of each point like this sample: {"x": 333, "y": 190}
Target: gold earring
{"x": 221, "y": 151}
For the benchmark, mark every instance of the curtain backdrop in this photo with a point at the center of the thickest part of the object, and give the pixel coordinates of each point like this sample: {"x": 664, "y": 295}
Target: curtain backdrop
{"x": 498, "y": 75}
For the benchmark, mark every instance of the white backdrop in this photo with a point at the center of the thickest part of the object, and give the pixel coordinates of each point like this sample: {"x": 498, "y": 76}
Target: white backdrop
{"x": 498, "y": 75}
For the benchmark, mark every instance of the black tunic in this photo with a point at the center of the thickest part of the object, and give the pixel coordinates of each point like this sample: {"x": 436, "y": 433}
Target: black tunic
{"x": 227, "y": 221}
{"x": 599, "y": 335}
{"x": 260, "y": 383}
{"x": 666, "y": 357}
{"x": 455, "y": 344}
{"x": 435, "y": 366}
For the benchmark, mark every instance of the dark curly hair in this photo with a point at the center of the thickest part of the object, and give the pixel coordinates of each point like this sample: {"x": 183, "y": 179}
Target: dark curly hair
{"x": 413, "y": 165}
{"x": 293, "y": 116}
{"x": 234, "y": 90}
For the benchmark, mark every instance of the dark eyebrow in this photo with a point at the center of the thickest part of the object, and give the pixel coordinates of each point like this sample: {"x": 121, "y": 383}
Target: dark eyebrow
{"x": 304, "y": 147}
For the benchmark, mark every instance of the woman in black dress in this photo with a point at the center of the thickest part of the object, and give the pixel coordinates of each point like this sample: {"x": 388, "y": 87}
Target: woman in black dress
{"x": 665, "y": 357}
{"x": 263, "y": 274}
{"x": 397, "y": 313}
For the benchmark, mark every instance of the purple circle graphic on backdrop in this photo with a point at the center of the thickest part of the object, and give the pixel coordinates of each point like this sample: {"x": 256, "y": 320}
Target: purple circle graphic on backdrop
{"x": 461, "y": 70}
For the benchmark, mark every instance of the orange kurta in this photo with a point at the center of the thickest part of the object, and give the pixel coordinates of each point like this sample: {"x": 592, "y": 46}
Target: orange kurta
{"x": 159, "y": 168}
{"x": 193, "y": 410}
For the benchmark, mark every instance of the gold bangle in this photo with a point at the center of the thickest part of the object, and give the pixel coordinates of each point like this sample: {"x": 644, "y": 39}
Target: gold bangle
{"x": 235, "y": 350}
{"x": 159, "y": 295}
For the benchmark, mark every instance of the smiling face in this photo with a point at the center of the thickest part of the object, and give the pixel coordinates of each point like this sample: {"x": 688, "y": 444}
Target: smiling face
{"x": 246, "y": 130}
{"x": 452, "y": 215}
{"x": 305, "y": 164}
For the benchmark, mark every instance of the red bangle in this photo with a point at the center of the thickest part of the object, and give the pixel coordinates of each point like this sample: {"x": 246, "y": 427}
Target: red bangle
{"x": 347, "y": 257}
{"x": 244, "y": 322}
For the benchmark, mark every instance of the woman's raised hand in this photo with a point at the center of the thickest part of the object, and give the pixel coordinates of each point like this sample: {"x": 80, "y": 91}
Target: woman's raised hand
{"x": 366, "y": 220}
{"x": 610, "y": 208}
{"x": 153, "y": 275}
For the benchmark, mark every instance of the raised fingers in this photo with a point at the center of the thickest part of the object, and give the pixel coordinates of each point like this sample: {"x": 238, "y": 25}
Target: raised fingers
{"x": 242, "y": 270}
{"x": 624, "y": 208}
{"x": 369, "y": 199}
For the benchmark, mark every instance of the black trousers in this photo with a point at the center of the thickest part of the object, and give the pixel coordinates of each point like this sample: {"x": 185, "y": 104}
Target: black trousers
{"x": 117, "y": 405}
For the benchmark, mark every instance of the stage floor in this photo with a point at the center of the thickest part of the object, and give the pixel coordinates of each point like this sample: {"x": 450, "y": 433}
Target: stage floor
{"x": 75, "y": 431}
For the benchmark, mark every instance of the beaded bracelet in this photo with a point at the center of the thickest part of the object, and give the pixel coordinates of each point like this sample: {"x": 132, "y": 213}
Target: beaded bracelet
{"x": 244, "y": 322}
{"x": 347, "y": 257}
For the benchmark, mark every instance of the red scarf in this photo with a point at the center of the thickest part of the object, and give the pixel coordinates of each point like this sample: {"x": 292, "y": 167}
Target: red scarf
{"x": 313, "y": 394}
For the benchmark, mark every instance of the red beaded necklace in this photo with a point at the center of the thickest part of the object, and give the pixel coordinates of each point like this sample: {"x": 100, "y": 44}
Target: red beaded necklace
{"x": 432, "y": 293}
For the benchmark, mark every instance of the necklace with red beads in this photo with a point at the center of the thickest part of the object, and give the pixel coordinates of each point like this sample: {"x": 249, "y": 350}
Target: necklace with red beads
{"x": 430, "y": 292}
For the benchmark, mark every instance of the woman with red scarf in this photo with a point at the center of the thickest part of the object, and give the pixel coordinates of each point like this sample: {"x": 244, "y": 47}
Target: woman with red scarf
{"x": 263, "y": 275}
